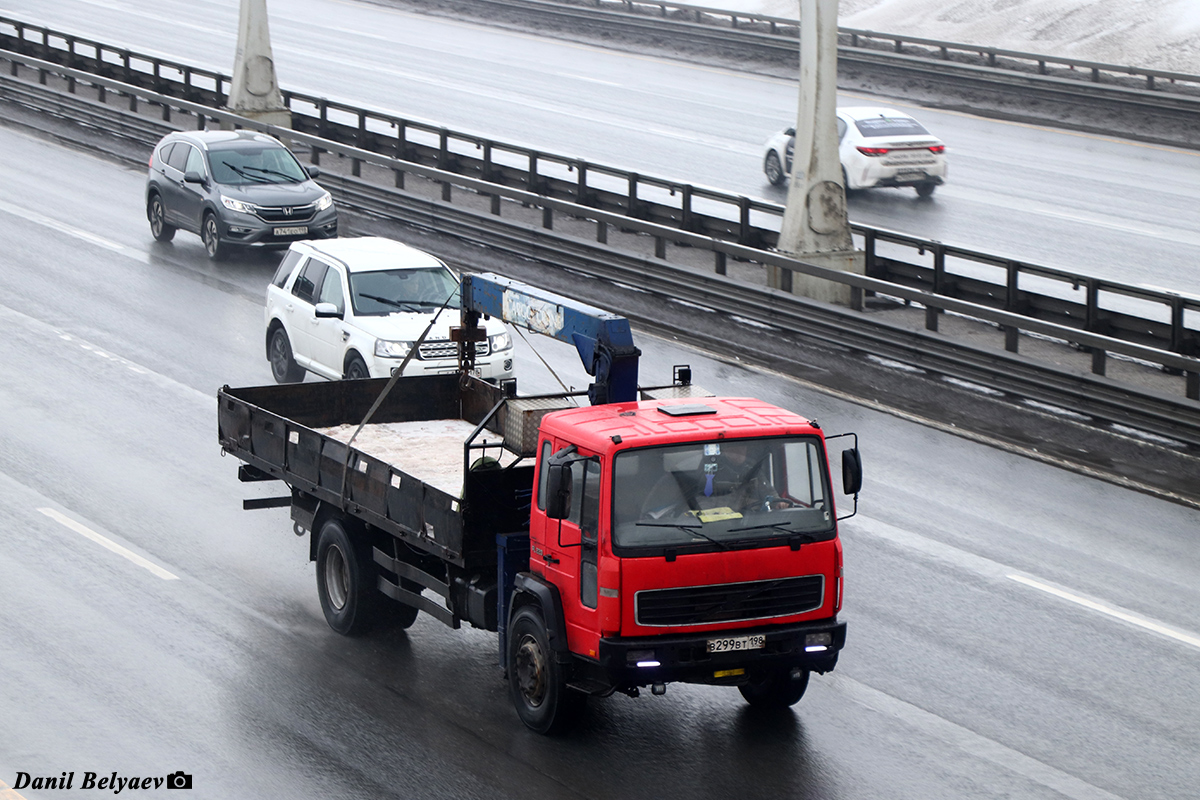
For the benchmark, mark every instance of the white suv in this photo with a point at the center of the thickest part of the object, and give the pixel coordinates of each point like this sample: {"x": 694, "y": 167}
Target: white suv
{"x": 352, "y": 308}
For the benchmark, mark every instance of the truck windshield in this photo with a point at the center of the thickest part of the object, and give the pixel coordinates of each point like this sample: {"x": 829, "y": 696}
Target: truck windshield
{"x": 721, "y": 493}
{"x": 389, "y": 291}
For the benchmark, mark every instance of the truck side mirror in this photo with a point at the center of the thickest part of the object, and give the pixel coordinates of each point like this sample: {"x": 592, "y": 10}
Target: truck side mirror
{"x": 852, "y": 474}
{"x": 558, "y": 490}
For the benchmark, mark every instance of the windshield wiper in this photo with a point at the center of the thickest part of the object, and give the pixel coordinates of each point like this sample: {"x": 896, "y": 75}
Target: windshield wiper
{"x": 401, "y": 304}
{"x": 778, "y": 526}
{"x": 266, "y": 171}
{"x": 692, "y": 529}
{"x": 243, "y": 174}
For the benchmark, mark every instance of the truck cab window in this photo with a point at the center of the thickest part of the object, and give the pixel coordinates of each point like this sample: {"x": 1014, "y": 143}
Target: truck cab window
{"x": 585, "y": 512}
{"x": 585, "y": 497}
{"x": 547, "y": 450}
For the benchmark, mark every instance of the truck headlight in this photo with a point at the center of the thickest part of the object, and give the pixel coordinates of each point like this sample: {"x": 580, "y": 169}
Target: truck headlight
{"x": 818, "y": 642}
{"x": 237, "y": 205}
{"x": 386, "y": 349}
{"x": 500, "y": 341}
{"x": 325, "y": 202}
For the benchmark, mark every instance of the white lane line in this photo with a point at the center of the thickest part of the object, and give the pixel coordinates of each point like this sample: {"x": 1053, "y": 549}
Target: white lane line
{"x": 1112, "y": 611}
{"x": 105, "y": 542}
{"x": 995, "y": 571}
{"x": 61, "y": 227}
{"x": 966, "y": 740}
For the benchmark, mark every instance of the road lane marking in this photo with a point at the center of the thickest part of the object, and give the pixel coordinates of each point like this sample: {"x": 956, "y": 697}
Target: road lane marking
{"x": 994, "y": 570}
{"x": 1113, "y": 611}
{"x": 966, "y": 740}
{"x": 105, "y": 542}
{"x": 61, "y": 227}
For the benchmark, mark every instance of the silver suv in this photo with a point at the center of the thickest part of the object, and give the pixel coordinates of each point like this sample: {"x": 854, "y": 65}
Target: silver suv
{"x": 234, "y": 188}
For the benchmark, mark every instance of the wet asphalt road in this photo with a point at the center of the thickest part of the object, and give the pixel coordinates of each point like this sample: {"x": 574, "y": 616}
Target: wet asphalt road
{"x": 1015, "y": 630}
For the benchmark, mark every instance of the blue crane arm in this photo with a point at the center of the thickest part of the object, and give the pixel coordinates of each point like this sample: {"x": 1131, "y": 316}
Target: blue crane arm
{"x": 603, "y": 340}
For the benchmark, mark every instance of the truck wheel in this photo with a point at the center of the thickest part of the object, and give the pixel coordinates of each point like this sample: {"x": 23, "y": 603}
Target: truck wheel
{"x": 346, "y": 581}
{"x": 535, "y": 680}
{"x": 775, "y": 690}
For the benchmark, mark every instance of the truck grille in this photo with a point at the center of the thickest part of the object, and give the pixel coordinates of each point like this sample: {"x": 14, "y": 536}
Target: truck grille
{"x": 731, "y": 602}
{"x": 286, "y": 213}
{"x": 443, "y": 349}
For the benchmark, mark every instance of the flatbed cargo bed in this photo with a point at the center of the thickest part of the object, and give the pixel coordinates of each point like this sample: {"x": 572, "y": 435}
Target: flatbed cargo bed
{"x": 409, "y": 471}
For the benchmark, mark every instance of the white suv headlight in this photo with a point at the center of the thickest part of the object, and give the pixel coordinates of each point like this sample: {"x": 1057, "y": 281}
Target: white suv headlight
{"x": 325, "y": 202}
{"x": 386, "y": 349}
{"x": 237, "y": 205}
{"x": 500, "y": 341}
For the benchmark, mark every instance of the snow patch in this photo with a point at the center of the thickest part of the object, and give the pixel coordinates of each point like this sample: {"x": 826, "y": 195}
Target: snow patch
{"x": 1153, "y": 34}
{"x": 897, "y": 365}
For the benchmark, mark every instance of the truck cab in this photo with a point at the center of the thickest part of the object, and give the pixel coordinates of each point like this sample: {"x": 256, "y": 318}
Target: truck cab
{"x": 689, "y": 540}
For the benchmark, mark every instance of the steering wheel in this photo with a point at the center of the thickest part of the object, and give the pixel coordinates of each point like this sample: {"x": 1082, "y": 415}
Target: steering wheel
{"x": 778, "y": 502}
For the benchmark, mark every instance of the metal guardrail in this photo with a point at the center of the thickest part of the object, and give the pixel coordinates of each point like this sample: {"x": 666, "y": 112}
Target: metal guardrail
{"x": 1159, "y": 319}
{"x": 1164, "y": 83}
{"x": 472, "y": 208}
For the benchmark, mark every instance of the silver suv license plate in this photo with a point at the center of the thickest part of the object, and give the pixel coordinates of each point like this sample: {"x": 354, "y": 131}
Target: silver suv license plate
{"x": 734, "y": 643}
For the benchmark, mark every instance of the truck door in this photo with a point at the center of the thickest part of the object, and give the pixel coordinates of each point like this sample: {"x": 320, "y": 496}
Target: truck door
{"x": 570, "y": 551}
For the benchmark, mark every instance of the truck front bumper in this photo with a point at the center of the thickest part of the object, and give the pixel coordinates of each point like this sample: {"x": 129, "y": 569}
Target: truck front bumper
{"x": 643, "y": 661}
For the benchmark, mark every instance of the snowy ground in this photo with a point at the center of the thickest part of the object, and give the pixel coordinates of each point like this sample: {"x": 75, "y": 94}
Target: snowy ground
{"x": 1154, "y": 34}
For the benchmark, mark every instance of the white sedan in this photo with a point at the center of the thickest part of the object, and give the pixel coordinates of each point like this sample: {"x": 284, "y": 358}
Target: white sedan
{"x": 877, "y": 147}
{"x": 355, "y": 308}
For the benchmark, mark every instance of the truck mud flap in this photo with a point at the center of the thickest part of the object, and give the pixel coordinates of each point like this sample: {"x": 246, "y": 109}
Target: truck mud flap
{"x": 408, "y": 572}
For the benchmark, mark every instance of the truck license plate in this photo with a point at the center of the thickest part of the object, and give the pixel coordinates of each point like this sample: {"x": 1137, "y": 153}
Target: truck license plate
{"x": 734, "y": 643}
{"x": 300, "y": 231}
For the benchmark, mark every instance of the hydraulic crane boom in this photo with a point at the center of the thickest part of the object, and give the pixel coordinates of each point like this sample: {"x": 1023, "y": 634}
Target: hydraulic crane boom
{"x": 603, "y": 340}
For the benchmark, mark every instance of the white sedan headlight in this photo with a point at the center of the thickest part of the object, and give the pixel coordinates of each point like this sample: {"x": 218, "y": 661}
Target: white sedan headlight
{"x": 325, "y": 202}
{"x": 386, "y": 349}
{"x": 237, "y": 205}
{"x": 500, "y": 341}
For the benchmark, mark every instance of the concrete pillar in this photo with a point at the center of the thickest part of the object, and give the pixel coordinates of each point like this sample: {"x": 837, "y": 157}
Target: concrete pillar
{"x": 255, "y": 92}
{"x": 816, "y": 228}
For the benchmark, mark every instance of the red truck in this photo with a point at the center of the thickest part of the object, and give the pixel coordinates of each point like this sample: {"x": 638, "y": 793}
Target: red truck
{"x": 626, "y": 544}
